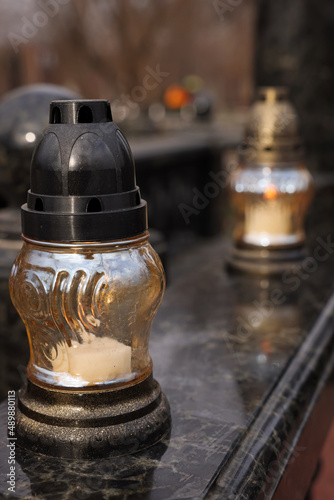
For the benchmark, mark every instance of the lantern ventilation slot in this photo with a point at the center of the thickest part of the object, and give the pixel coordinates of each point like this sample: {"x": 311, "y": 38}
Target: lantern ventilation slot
{"x": 94, "y": 205}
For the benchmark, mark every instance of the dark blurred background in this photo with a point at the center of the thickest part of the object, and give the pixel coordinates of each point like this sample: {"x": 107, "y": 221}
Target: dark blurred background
{"x": 101, "y": 48}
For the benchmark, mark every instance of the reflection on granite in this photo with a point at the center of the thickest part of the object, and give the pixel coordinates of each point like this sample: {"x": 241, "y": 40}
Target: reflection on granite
{"x": 241, "y": 372}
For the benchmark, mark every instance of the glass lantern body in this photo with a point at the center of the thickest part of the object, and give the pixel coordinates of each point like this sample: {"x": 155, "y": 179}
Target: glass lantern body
{"x": 88, "y": 310}
{"x": 270, "y": 201}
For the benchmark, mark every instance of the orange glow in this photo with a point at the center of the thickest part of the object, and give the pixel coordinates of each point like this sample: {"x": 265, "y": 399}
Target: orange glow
{"x": 266, "y": 347}
{"x": 175, "y": 97}
{"x": 270, "y": 192}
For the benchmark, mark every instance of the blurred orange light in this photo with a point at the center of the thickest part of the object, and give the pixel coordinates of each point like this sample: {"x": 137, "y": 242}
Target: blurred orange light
{"x": 270, "y": 192}
{"x": 266, "y": 346}
{"x": 175, "y": 97}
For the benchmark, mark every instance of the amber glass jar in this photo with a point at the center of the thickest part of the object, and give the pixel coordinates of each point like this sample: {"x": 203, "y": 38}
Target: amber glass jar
{"x": 270, "y": 202}
{"x": 88, "y": 310}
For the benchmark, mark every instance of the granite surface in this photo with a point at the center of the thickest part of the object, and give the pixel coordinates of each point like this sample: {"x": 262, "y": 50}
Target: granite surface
{"x": 243, "y": 362}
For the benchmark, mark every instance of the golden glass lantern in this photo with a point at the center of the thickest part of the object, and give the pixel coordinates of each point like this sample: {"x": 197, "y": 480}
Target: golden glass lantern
{"x": 271, "y": 189}
{"x": 88, "y": 310}
{"x": 87, "y": 285}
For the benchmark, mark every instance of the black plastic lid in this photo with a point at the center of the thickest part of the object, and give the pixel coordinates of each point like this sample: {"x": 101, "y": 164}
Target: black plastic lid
{"x": 82, "y": 178}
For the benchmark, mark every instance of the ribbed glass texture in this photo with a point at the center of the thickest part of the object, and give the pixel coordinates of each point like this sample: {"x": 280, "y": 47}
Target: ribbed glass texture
{"x": 88, "y": 310}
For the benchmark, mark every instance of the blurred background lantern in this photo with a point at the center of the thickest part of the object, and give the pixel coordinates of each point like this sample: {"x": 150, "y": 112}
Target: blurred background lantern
{"x": 271, "y": 189}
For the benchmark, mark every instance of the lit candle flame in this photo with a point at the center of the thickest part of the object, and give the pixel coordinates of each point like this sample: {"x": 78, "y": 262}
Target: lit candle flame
{"x": 270, "y": 192}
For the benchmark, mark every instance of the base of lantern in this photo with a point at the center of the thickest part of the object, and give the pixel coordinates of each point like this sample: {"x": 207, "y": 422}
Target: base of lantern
{"x": 92, "y": 424}
{"x": 264, "y": 261}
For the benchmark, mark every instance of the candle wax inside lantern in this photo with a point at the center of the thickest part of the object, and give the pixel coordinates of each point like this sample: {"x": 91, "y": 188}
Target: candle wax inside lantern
{"x": 98, "y": 360}
{"x": 268, "y": 223}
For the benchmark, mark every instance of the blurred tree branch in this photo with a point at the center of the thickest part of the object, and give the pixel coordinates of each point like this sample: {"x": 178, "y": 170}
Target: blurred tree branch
{"x": 102, "y": 48}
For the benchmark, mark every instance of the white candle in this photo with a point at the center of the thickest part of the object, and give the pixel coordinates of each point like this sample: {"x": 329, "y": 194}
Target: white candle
{"x": 96, "y": 360}
{"x": 267, "y": 222}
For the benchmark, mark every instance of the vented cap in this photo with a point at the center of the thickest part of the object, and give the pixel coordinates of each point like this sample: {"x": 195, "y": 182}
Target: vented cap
{"x": 82, "y": 178}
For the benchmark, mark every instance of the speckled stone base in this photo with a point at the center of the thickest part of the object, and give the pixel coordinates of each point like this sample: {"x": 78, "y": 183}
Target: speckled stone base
{"x": 92, "y": 424}
{"x": 264, "y": 261}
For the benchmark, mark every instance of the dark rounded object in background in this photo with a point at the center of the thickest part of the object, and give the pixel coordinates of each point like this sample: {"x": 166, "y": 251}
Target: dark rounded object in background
{"x": 24, "y": 114}
{"x": 203, "y": 104}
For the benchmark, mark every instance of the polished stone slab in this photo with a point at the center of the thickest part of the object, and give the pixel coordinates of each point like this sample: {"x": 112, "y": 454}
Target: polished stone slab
{"x": 244, "y": 362}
